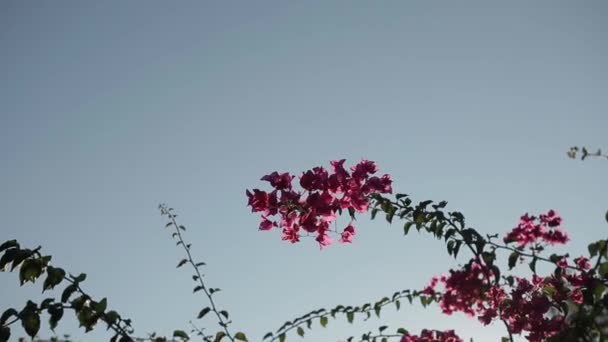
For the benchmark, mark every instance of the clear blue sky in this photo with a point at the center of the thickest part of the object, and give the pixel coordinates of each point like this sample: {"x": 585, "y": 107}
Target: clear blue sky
{"x": 108, "y": 108}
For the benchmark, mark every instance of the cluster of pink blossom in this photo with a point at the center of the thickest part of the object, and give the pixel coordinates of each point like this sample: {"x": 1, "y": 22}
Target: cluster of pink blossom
{"x": 432, "y": 336}
{"x": 324, "y": 194}
{"x": 545, "y": 228}
{"x": 526, "y": 305}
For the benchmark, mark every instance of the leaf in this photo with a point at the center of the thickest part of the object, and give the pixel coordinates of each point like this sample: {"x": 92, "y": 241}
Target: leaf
{"x": 30, "y": 320}
{"x": 181, "y": 263}
{"x": 203, "y": 312}
{"x": 67, "y": 292}
{"x": 323, "y": 321}
{"x": 53, "y": 278}
{"x": 224, "y": 313}
{"x": 240, "y": 336}
{"x": 198, "y": 288}
{"x": 268, "y": 335}
{"x": 7, "y": 314}
{"x": 56, "y": 312}
{"x": 9, "y": 244}
{"x": 300, "y": 331}
{"x": 533, "y": 264}
{"x": 29, "y": 271}
{"x": 282, "y": 337}
{"x": 219, "y": 336}
{"x": 603, "y": 269}
{"x": 200, "y": 264}
{"x": 5, "y": 334}
{"x": 513, "y": 259}
{"x": 350, "y": 316}
{"x": 81, "y": 277}
{"x": 407, "y": 226}
{"x": 181, "y": 334}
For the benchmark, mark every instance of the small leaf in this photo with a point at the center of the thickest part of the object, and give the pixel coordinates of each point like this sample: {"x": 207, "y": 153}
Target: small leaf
{"x": 219, "y": 336}
{"x": 67, "y": 292}
{"x": 300, "y": 331}
{"x": 181, "y": 334}
{"x": 203, "y": 312}
{"x": 81, "y": 277}
{"x": 268, "y": 335}
{"x": 9, "y": 244}
{"x": 7, "y": 314}
{"x": 240, "y": 336}
{"x": 224, "y": 313}
{"x": 56, "y": 312}
{"x": 54, "y": 277}
{"x": 323, "y": 321}
{"x": 200, "y": 264}
{"x": 181, "y": 263}
{"x": 198, "y": 288}
{"x": 282, "y": 337}
{"x": 513, "y": 259}
{"x": 350, "y": 316}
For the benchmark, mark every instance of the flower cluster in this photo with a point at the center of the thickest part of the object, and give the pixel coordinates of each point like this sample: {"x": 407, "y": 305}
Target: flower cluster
{"x": 432, "y": 336}
{"x": 324, "y": 195}
{"x": 535, "y": 306}
{"x": 545, "y": 228}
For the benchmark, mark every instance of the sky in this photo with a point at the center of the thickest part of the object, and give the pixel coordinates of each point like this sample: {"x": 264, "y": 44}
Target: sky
{"x": 109, "y": 108}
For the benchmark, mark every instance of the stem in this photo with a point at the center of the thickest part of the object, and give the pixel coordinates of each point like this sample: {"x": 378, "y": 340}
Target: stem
{"x": 222, "y": 323}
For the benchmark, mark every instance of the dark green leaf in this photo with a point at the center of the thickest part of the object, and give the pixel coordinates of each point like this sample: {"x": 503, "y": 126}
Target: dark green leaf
{"x": 67, "y": 292}
{"x": 198, "y": 288}
{"x": 53, "y": 278}
{"x": 30, "y": 270}
{"x": 81, "y": 277}
{"x": 55, "y": 313}
{"x": 203, "y": 312}
{"x": 30, "y": 320}
{"x": 300, "y": 331}
{"x": 268, "y": 335}
{"x": 350, "y": 316}
{"x": 181, "y": 334}
{"x": 240, "y": 336}
{"x": 181, "y": 263}
{"x": 224, "y": 313}
{"x": 5, "y": 334}
{"x": 9, "y": 244}
{"x": 513, "y": 259}
{"x": 7, "y": 314}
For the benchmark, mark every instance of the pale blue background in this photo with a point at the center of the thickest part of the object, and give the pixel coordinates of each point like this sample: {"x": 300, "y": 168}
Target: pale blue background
{"x": 108, "y": 108}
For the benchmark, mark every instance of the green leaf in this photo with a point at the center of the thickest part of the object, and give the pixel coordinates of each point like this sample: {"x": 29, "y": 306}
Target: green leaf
{"x": 5, "y": 334}
{"x": 350, "y": 316}
{"x": 224, "y": 313}
{"x": 67, "y": 292}
{"x": 603, "y": 269}
{"x": 407, "y": 226}
{"x": 181, "y": 334}
{"x": 30, "y": 271}
{"x": 181, "y": 263}
{"x": 7, "y": 314}
{"x": 268, "y": 335}
{"x": 13, "y": 244}
{"x": 81, "y": 277}
{"x": 300, "y": 331}
{"x": 53, "y": 278}
{"x": 219, "y": 336}
{"x": 606, "y": 217}
{"x": 198, "y": 288}
{"x": 402, "y": 331}
{"x": 533, "y": 264}
{"x": 323, "y": 321}
{"x": 112, "y": 316}
{"x": 8, "y": 256}
{"x": 203, "y": 312}
{"x": 30, "y": 320}
{"x": 513, "y": 259}
{"x": 282, "y": 337}
{"x": 55, "y": 313}
{"x": 240, "y": 336}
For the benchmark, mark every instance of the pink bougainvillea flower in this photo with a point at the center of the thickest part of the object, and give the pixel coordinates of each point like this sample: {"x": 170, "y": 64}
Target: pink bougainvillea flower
{"x": 279, "y": 181}
{"x": 348, "y": 233}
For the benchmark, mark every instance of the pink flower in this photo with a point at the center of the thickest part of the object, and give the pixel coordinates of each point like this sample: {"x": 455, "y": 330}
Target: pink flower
{"x": 279, "y": 181}
{"x": 582, "y": 263}
{"x": 266, "y": 224}
{"x": 348, "y": 233}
